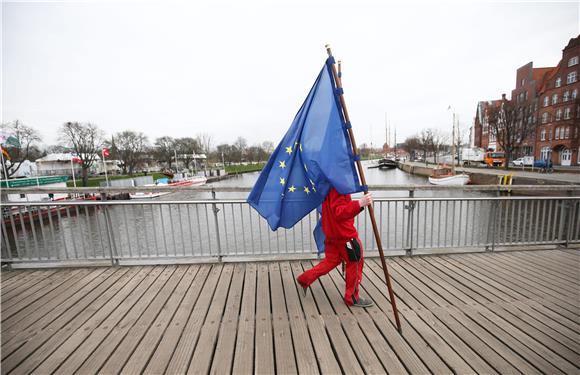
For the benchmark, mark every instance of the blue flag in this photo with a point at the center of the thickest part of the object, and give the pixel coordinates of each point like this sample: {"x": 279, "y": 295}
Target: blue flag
{"x": 314, "y": 155}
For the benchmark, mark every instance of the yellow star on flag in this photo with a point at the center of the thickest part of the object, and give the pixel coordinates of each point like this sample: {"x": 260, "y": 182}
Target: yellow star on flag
{"x": 291, "y": 189}
{"x": 282, "y": 181}
{"x": 306, "y": 190}
{"x": 289, "y": 150}
{"x": 282, "y": 164}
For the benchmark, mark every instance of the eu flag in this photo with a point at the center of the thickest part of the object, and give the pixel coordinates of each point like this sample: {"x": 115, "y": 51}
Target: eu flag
{"x": 314, "y": 155}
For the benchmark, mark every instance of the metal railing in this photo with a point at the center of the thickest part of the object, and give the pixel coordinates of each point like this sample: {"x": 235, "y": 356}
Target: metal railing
{"x": 124, "y": 232}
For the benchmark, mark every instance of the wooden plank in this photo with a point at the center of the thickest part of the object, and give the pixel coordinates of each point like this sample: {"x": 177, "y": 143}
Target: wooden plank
{"x": 283, "y": 348}
{"x": 513, "y": 338}
{"x": 42, "y": 342}
{"x": 98, "y": 348}
{"x": 164, "y": 350}
{"x": 471, "y": 358}
{"x": 377, "y": 290}
{"x": 264, "y": 351}
{"x": 183, "y": 351}
{"x": 50, "y": 306}
{"x": 203, "y": 354}
{"x": 545, "y": 274}
{"x": 553, "y": 319}
{"x": 325, "y": 356}
{"x": 36, "y": 291}
{"x": 363, "y": 335}
{"x": 140, "y": 357}
{"x": 475, "y": 343}
{"x": 72, "y": 353}
{"x": 22, "y": 280}
{"x": 18, "y": 335}
{"x": 345, "y": 354}
{"x": 530, "y": 289}
{"x": 303, "y": 348}
{"x": 222, "y": 360}
{"x": 563, "y": 269}
{"x": 132, "y": 329}
{"x": 244, "y": 351}
{"x": 66, "y": 341}
{"x": 533, "y": 329}
{"x": 6, "y": 275}
{"x": 554, "y": 259}
{"x": 422, "y": 292}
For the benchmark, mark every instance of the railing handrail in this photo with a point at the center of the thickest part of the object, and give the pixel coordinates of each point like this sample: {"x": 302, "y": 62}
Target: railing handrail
{"x": 241, "y": 201}
{"x": 224, "y": 189}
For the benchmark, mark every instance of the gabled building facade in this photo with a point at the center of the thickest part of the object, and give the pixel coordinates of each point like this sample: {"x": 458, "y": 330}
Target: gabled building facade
{"x": 550, "y": 97}
{"x": 557, "y": 132}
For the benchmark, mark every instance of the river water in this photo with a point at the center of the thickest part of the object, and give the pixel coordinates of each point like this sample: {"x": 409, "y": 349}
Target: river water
{"x": 145, "y": 230}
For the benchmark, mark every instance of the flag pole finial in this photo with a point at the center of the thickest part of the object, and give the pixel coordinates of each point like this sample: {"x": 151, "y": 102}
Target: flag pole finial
{"x": 327, "y": 46}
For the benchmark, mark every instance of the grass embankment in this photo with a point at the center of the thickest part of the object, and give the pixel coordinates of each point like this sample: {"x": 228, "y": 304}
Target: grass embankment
{"x": 96, "y": 181}
{"x": 234, "y": 169}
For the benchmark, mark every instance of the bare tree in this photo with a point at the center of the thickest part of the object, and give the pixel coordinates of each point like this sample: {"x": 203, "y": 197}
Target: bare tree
{"x": 511, "y": 124}
{"x": 205, "y": 141}
{"x": 413, "y": 146}
{"x": 164, "y": 150}
{"x": 240, "y": 145}
{"x": 21, "y": 144}
{"x": 425, "y": 139}
{"x": 439, "y": 142}
{"x": 186, "y": 149}
{"x": 84, "y": 139}
{"x": 268, "y": 147}
{"x": 129, "y": 149}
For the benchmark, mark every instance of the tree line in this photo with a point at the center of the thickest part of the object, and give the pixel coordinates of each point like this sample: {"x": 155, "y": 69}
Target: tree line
{"x": 132, "y": 149}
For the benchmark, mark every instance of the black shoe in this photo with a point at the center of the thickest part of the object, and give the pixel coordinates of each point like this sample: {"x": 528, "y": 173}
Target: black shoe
{"x": 361, "y": 302}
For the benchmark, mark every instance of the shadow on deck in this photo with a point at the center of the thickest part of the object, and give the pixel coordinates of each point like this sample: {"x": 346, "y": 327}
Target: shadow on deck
{"x": 486, "y": 313}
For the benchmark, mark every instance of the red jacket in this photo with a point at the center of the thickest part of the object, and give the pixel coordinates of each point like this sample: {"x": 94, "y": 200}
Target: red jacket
{"x": 338, "y": 212}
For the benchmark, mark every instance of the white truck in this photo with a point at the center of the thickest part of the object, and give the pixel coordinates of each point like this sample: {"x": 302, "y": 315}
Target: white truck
{"x": 472, "y": 157}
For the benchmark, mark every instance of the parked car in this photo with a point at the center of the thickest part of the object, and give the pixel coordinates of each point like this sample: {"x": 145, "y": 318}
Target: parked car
{"x": 544, "y": 165}
{"x": 524, "y": 161}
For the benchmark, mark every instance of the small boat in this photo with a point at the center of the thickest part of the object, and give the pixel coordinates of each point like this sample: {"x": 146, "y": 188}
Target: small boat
{"x": 387, "y": 163}
{"x": 444, "y": 176}
{"x": 190, "y": 181}
{"x": 145, "y": 195}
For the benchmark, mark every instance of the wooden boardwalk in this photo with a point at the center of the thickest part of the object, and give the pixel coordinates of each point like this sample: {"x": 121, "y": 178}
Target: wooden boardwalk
{"x": 516, "y": 312}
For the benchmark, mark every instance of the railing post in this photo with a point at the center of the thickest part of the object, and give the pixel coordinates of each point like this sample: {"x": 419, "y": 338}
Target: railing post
{"x": 215, "y": 210}
{"x": 411, "y": 208}
{"x": 109, "y": 229}
{"x": 492, "y": 223}
{"x": 567, "y": 204}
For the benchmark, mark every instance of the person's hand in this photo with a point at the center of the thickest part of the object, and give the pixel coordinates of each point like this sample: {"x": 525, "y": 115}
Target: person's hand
{"x": 366, "y": 200}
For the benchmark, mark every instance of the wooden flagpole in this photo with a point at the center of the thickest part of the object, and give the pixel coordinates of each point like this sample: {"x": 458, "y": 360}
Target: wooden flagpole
{"x": 363, "y": 182}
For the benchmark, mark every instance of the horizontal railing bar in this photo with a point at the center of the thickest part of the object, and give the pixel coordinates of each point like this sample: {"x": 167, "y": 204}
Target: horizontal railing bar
{"x": 404, "y": 187}
{"x": 243, "y": 201}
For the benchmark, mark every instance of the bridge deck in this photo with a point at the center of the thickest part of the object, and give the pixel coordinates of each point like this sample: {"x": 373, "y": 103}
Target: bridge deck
{"x": 487, "y": 313}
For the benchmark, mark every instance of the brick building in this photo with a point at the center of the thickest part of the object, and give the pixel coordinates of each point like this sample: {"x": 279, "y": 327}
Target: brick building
{"x": 558, "y": 113}
{"x": 551, "y": 96}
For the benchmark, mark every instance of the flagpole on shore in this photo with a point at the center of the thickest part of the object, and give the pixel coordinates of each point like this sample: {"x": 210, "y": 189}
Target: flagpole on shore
{"x": 338, "y": 81}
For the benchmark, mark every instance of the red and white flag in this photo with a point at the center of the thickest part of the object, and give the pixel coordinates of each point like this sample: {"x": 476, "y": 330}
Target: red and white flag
{"x": 106, "y": 152}
{"x": 77, "y": 160}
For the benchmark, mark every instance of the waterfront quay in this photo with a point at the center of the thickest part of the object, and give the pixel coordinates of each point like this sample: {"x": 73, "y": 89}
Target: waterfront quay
{"x": 483, "y": 176}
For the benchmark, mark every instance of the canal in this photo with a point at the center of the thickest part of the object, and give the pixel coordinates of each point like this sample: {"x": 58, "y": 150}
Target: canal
{"x": 232, "y": 228}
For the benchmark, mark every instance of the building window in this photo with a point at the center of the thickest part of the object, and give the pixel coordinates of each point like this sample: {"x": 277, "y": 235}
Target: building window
{"x": 574, "y": 93}
{"x": 558, "y": 82}
{"x": 545, "y": 153}
{"x": 557, "y": 134}
{"x": 558, "y": 114}
{"x": 550, "y": 134}
{"x": 525, "y": 95}
{"x": 566, "y": 96}
{"x": 573, "y": 61}
{"x": 566, "y": 113}
{"x": 572, "y": 77}
{"x": 524, "y": 80}
{"x": 554, "y": 98}
{"x": 543, "y": 135}
{"x": 544, "y": 117}
{"x": 567, "y": 132}
{"x": 546, "y": 101}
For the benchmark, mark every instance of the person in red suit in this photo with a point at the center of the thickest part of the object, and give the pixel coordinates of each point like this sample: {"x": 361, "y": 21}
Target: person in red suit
{"x": 341, "y": 244}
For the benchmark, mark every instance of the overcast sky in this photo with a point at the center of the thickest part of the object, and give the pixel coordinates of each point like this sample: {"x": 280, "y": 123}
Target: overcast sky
{"x": 243, "y": 68}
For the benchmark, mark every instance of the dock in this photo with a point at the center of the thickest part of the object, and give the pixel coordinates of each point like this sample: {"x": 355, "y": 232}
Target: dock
{"x": 492, "y": 312}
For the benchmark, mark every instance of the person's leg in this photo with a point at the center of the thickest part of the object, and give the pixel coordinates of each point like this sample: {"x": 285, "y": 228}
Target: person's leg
{"x": 354, "y": 271}
{"x": 330, "y": 261}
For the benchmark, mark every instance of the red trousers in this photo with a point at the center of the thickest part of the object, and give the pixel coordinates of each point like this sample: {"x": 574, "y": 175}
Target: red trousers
{"x": 335, "y": 254}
